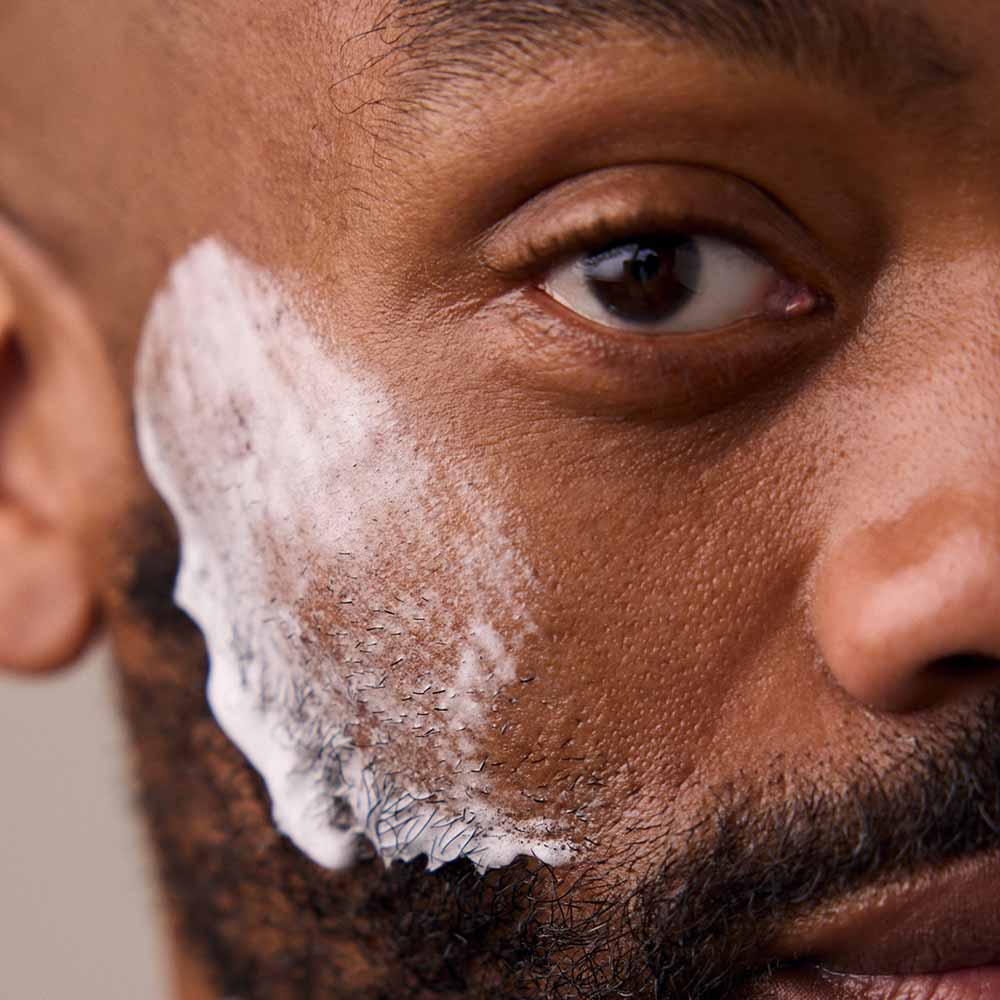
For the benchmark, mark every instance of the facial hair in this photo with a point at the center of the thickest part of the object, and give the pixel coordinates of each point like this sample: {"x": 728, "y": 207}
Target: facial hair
{"x": 695, "y": 923}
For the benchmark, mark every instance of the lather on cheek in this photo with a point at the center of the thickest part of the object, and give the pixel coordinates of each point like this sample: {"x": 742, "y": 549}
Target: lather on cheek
{"x": 362, "y": 612}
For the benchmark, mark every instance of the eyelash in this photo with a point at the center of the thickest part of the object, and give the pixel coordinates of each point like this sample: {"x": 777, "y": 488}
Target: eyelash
{"x": 535, "y": 256}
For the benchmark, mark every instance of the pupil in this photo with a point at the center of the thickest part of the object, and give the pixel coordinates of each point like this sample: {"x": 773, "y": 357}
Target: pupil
{"x": 647, "y": 280}
{"x": 645, "y": 265}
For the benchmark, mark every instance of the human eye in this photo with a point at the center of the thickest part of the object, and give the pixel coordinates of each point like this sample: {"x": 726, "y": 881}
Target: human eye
{"x": 657, "y": 254}
{"x": 671, "y": 289}
{"x": 671, "y": 283}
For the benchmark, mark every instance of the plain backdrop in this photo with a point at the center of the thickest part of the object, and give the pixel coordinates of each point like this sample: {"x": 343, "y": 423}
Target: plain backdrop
{"x": 77, "y": 907}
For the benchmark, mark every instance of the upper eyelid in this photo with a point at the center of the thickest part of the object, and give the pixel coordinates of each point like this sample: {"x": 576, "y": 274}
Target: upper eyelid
{"x": 622, "y": 201}
{"x": 540, "y": 256}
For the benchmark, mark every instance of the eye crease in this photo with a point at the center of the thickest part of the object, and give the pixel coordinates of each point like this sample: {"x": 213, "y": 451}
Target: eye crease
{"x": 675, "y": 283}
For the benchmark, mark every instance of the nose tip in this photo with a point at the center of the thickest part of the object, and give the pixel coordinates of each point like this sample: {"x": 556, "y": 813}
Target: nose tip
{"x": 907, "y": 614}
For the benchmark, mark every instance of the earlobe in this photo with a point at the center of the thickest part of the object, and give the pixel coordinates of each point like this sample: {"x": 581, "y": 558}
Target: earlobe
{"x": 61, "y": 443}
{"x": 46, "y": 601}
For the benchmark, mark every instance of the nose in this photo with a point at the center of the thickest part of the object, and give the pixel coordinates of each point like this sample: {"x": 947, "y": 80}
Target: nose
{"x": 907, "y": 613}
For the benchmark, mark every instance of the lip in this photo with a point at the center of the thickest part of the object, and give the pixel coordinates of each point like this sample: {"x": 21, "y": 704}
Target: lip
{"x": 936, "y": 921}
{"x": 932, "y": 935}
{"x": 814, "y": 984}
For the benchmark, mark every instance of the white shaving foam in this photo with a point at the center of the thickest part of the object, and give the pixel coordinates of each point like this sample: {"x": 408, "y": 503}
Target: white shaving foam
{"x": 313, "y": 529}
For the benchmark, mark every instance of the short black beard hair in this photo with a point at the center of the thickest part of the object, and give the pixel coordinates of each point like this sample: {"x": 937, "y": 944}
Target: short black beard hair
{"x": 270, "y": 925}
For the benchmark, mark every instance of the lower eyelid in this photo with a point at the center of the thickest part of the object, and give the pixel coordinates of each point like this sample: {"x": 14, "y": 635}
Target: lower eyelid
{"x": 595, "y": 370}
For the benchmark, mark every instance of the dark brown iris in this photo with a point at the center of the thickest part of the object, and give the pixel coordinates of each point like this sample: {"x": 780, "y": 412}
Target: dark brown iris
{"x": 645, "y": 281}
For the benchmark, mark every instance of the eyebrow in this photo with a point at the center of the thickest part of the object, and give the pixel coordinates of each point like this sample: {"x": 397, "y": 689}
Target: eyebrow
{"x": 879, "y": 50}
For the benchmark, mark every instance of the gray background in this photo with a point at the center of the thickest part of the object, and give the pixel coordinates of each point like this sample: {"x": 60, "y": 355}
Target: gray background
{"x": 77, "y": 908}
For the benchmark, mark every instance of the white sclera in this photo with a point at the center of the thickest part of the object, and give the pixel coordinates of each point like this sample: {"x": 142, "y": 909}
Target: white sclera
{"x": 285, "y": 466}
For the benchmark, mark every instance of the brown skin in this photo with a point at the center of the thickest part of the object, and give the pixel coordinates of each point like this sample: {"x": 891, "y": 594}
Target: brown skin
{"x": 708, "y": 548}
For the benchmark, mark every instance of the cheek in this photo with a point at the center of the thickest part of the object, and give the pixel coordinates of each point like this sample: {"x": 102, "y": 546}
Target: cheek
{"x": 365, "y": 616}
{"x": 668, "y": 594}
{"x": 413, "y": 635}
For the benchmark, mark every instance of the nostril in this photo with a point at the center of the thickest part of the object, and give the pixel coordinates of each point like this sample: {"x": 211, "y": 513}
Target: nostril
{"x": 965, "y": 667}
{"x": 944, "y": 678}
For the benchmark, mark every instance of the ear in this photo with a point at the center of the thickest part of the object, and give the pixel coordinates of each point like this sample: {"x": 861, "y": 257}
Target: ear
{"x": 62, "y": 445}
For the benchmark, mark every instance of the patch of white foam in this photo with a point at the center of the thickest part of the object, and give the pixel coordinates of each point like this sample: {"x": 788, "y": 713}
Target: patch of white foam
{"x": 310, "y": 524}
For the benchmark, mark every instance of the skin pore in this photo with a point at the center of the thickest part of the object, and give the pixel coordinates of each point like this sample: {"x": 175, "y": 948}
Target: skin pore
{"x": 705, "y": 517}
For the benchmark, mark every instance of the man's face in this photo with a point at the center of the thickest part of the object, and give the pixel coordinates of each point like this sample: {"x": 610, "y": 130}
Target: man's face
{"x": 654, "y": 352}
